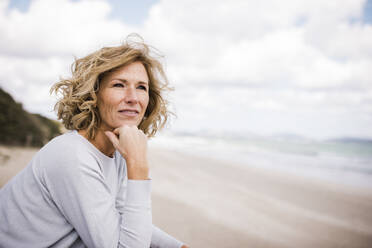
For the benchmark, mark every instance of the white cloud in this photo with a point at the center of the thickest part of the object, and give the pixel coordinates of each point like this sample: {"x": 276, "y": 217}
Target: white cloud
{"x": 299, "y": 55}
{"x": 219, "y": 41}
{"x": 231, "y": 61}
{"x": 58, "y": 28}
{"x": 38, "y": 46}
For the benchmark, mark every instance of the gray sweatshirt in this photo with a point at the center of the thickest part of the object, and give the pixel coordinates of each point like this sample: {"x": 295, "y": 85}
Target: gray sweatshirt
{"x": 72, "y": 195}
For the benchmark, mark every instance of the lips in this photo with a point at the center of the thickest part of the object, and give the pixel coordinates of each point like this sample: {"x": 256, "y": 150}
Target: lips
{"x": 129, "y": 112}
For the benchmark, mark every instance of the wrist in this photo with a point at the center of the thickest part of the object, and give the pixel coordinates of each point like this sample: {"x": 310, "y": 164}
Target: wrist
{"x": 132, "y": 162}
{"x": 136, "y": 173}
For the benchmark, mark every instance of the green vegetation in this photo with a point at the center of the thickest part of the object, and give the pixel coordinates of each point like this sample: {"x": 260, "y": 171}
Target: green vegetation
{"x": 18, "y": 127}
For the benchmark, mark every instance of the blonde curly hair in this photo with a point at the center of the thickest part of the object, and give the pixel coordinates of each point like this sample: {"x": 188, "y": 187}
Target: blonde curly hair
{"x": 77, "y": 108}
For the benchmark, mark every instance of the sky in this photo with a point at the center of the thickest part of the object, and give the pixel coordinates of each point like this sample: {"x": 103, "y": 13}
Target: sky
{"x": 263, "y": 67}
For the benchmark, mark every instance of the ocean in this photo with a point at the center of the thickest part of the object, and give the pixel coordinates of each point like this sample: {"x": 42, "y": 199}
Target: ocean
{"x": 345, "y": 161}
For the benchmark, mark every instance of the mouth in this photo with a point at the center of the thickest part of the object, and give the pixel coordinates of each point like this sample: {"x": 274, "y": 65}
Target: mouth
{"x": 129, "y": 112}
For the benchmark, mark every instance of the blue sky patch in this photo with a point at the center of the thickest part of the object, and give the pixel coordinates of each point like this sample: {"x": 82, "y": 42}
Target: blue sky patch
{"x": 130, "y": 12}
{"x": 21, "y": 5}
{"x": 367, "y": 12}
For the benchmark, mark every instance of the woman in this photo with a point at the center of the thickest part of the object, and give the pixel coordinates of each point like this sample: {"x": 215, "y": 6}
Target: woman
{"x": 90, "y": 187}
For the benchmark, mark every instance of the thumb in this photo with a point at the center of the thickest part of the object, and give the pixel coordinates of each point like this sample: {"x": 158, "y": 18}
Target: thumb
{"x": 113, "y": 138}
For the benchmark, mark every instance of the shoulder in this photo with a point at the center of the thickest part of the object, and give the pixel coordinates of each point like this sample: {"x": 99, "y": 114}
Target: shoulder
{"x": 66, "y": 146}
{"x": 64, "y": 154}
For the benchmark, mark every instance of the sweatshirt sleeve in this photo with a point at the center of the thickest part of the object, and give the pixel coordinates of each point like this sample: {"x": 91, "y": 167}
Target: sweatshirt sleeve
{"x": 161, "y": 239}
{"x": 80, "y": 192}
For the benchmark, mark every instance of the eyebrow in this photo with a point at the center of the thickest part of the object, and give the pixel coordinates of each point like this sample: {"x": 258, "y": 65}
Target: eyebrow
{"x": 125, "y": 81}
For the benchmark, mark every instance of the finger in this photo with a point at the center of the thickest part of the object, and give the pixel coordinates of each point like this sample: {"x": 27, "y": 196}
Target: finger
{"x": 113, "y": 138}
{"x": 116, "y": 131}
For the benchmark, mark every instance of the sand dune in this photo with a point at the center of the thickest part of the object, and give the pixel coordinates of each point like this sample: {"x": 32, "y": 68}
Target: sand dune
{"x": 210, "y": 203}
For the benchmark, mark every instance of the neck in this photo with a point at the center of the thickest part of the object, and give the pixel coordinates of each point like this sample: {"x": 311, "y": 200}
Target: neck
{"x": 100, "y": 141}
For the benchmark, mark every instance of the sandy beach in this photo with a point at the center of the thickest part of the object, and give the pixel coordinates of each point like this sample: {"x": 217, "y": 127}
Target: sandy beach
{"x": 209, "y": 203}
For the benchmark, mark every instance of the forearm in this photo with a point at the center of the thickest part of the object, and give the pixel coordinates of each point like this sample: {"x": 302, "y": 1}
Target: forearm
{"x": 161, "y": 239}
{"x": 136, "y": 221}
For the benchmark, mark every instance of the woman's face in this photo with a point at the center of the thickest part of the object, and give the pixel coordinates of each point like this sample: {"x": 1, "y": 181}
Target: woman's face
{"x": 123, "y": 96}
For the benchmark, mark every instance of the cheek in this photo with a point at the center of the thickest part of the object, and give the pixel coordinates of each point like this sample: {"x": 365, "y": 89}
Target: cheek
{"x": 102, "y": 111}
{"x": 145, "y": 101}
{"x": 105, "y": 104}
{"x": 100, "y": 104}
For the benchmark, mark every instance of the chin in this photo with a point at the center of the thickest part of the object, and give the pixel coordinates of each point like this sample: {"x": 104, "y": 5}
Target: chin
{"x": 128, "y": 123}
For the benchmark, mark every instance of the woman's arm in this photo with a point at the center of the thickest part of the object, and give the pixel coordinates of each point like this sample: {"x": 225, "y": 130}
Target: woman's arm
{"x": 161, "y": 239}
{"x": 131, "y": 143}
{"x": 80, "y": 192}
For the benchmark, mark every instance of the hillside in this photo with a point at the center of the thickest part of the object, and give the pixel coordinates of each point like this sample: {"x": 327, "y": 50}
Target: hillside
{"x": 18, "y": 127}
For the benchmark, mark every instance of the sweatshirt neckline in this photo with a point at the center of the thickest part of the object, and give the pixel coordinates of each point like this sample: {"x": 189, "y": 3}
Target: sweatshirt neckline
{"x": 94, "y": 148}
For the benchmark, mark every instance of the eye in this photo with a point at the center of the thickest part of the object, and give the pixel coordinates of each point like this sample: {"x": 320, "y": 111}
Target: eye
{"x": 142, "y": 87}
{"x": 118, "y": 85}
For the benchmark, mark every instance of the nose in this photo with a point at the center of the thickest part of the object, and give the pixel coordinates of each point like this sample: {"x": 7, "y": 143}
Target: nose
{"x": 131, "y": 96}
